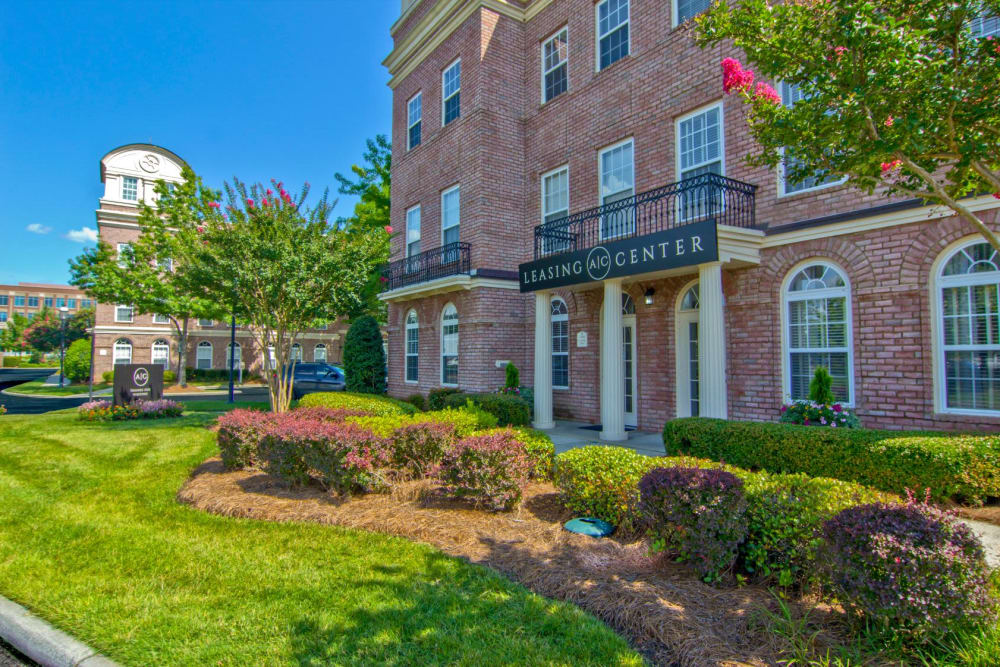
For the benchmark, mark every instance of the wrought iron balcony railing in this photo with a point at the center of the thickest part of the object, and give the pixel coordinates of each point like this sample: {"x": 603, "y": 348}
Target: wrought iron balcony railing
{"x": 448, "y": 260}
{"x": 728, "y": 201}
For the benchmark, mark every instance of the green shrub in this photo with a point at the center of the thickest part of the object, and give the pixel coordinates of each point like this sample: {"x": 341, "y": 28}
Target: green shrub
{"x": 108, "y": 377}
{"x": 509, "y": 409}
{"x": 436, "y": 397}
{"x": 491, "y": 469}
{"x": 364, "y": 357}
{"x": 512, "y": 377}
{"x": 36, "y": 357}
{"x": 465, "y": 422}
{"x": 821, "y": 387}
{"x": 169, "y": 377}
{"x": 76, "y": 364}
{"x": 418, "y": 401}
{"x": 376, "y": 405}
{"x": 953, "y": 466}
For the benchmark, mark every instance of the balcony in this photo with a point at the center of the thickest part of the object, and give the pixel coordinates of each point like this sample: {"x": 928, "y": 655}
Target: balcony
{"x": 703, "y": 197}
{"x": 448, "y": 260}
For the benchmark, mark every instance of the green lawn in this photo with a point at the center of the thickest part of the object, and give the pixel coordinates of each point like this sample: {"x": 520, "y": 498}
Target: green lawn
{"x": 39, "y": 388}
{"x": 92, "y": 540}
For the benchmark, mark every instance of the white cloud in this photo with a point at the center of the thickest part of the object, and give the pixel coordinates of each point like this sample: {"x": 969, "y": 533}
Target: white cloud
{"x": 82, "y": 235}
{"x": 38, "y": 228}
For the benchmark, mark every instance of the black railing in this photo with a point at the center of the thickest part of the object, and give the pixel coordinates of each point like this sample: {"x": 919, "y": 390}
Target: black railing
{"x": 728, "y": 201}
{"x": 448, "y": 260}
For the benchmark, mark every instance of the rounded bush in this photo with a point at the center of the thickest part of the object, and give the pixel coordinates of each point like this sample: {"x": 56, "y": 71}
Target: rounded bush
{"x": 108, "y": 377}
{"x": 418, "y": 401}
{"x": 436, "y": 397}
{"x": 695, "y": 513}
{"x": 169, "y": 377}
{"x": 490, "y": 469}
{"x": 239, "y": 434}
{"x": 417, "y": 448}
{"x": 539, "y": 447}
{"x": 76, "y": 364}
{"x": 381, "y": 406}
{"x": 910, "y": 571}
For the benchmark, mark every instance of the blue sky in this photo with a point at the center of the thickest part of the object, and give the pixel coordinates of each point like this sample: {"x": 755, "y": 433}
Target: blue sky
{"x": 280, "y": 89}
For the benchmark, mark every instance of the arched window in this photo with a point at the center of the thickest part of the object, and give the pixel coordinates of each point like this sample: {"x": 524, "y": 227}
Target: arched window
{"x": 161, "y": 353}
{"x": 412, "y": 346}
{"x": 122, "y": 352}
{"x": 203, "y": 358}
{"x": 449, "y": 345}
{"x": 688, "y": 369}
{"x": 230, "y": 354}
{"x": 319, "y": 353}
{"x": 560, "y": 344}
{"x": 969, "y": 287}
{"x": 691, "y": 300}
{"x": 628, "y": 305}
{"x": 817, "y": 307}
{"x": 296, "y": 353}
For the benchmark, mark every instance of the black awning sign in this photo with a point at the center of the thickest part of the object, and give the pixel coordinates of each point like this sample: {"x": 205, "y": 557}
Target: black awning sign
{"x": 687, "y": 245}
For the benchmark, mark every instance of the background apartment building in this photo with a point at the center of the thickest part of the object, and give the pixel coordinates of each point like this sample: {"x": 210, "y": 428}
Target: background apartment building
{"x": 528, "y": 135}
{"x": 123, "y": 335}
{"x": 28, "y": 299}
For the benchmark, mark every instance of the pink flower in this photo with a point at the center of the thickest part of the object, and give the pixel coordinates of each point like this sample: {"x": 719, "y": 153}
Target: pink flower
{"x": 201, "y": 228}
{"x": 889, "y": 166}
{"x": 734, "y": 77}
{"x": 388, "y": 229}
{"x": 889, "y": 121}
{"x": 833, "y": 424}
{"x": 837, "y": 407}
{"x": 263, "y": 202}
{"x": 822, "y": 420}
{"x": 765, "y": 93}
{"x": 249, "y": 203}
{"x": 996, "y": 195}
{"x": 269, "y": 192}
{"x": 213, "y": 204}
{"x": 839, "y": 50}
{"x": 384, "y": 279}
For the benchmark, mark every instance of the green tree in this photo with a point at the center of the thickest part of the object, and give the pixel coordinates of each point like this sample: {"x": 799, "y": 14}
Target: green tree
{"x": 900, "y": 96}
{"x": 45, "y": 331}
{"x": 821, "y": 387}
{"x": 144, "y": 275}
{"x": 370, "y": 183}
{"x": 76, "y": 365}
{"x": 364, "y": 357}
{"x": 280, "y": 264}
{"x": 12, "y": 336}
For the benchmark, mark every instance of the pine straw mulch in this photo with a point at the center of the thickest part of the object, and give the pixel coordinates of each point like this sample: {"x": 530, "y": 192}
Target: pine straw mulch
{"x": 670, "y": 616}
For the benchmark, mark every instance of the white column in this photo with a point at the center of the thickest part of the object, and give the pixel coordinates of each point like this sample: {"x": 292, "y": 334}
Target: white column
{"x": 713, "y": 392}
{"x": 612, "y": 364}
{"x": 543, "y": 360}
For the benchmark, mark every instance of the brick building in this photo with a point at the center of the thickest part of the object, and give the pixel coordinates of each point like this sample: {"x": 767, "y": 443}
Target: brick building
{"x": 571, "y": 192}
{"x": 123, "y": 335}
{"x": 28, "y": 299}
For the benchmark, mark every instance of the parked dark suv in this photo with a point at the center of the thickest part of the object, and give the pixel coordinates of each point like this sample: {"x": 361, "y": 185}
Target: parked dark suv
{"x": 313, "y": 377}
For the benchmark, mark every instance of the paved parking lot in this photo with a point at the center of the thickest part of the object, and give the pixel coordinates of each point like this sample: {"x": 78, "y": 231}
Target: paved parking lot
{"x": 9, "y": 657}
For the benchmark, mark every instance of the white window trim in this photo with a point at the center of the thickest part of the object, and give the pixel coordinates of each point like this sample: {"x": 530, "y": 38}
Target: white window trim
{"x": 675, "y": 13}
{"x": 722, "y": 137}
{"x": 781, "y": 165}
{"x": 320, "y": 346}
{"x": 682, "y": 381}
{"x": 598, "y": 35}
{"x": 138, "y": 189}
{"x": 541, "y": 190}
{"x": 600, "y": 181}
{"x": 201, "y": 322}
{"x": 441, "y": 345}
{"x": 204, "y": 345}
{"x": 406, "y": 352}
{"x": 410, "y": 123}
{"x": 459, "y": 223}
{"x": 553, "y": 353}
{"x": 456, "y": 61}
{"x": 406, "y": 249}
{"x": 165, "y": 319}
{"x": 937, "y": 282}
{"x": 238, "y": 355}
{"x": 131, "y": 313}
{"x": 541, "y": 62}
{"x": 114, "y": 351}
{"x": 786, "y": 370}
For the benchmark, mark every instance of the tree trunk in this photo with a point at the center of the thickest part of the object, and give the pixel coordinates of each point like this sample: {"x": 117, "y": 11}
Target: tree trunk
{"x": 182, "y": 341}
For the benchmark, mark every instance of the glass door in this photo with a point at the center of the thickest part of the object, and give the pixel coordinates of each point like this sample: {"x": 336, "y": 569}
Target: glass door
{"x": 628, "y": 359}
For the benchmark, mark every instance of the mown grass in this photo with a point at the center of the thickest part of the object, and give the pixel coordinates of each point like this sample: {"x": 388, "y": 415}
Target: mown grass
{"x": 39, "y": 388}
{"x": 92, "y": 539}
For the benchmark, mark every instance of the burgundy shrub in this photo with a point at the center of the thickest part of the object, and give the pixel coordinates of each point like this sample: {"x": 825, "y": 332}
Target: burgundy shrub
{"x": 491, "y": 469}
{"x": 417, "y": 449}
{"x": 239, "y": 436}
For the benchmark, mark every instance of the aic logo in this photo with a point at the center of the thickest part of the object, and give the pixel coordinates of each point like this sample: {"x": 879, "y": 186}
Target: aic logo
{"x": 598, "y": 263}
{"x": 140, "y": 377}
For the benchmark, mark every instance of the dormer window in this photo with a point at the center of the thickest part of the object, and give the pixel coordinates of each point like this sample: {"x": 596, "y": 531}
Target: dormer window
{"x": 130, "y": 188}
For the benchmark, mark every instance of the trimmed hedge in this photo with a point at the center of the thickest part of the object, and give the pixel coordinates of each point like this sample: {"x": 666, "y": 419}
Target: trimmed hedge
{"x": 381, "y": 406}
{"x": 539, "y": 446}
{"x": 466, "y": 422}
{"x": 953, "y": 466}
{"x": 436, "y": 397}
{"x": 509, "y": 409}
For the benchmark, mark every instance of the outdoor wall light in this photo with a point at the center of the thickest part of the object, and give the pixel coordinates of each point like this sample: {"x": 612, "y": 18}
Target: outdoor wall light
{"x": 648, "y": 296}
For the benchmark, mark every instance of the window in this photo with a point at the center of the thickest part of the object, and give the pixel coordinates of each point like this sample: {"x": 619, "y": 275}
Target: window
{"x": 238, "y": 356}
{"x": 560, "y": 344}
{"x": 970, "y": 329}
{"x": 555, "y": 206}
{"x": 124, "y": 254}
{"x": 319, "y": 353}
{"x": 412, "y": 346}
{"x": 19, "y": 301}
{"x": 617, "y": 185}
{"x": 986, "y": 25}
{"x": 203, "y": 358}
{"x": 71, "y": 303}
{"x": 32, "y": 302}
{"x": 687, "y": 9}
{"x": 121, "y": 352}
{"x": 48, "y": 302}
{"x": 699, "y": 138}
{"x": 555, "y": 68}
{"x": 272, "y": 362}
{"x": 690, "y": 303}
{"x": 205, "y": 323}
{"x": 4, "y": 300}
{"x": 130, "y": 188}
{"x": 86, "y": 303}
{"x": 451, "y": 95}
{"x": 612, "y": 32}
{"x": 790, "y": 94}
{"x": 413, "y": 115}
{"x": 296, "y": 353}
{"x": 123, "y": 313}
{"x": 161, "y": 353}
{"x": 30, "y": 316}
{"x": 60, "y": 302}
{"x": 160, "y": 319}
{"x": 819, "y": 329}
{"x": 3, "y": 315}
{"x": 450, "y": 214}
{"x": 413, "y": 231}
{"x": 165, "y": 264}
{"x": 449, "y": 346}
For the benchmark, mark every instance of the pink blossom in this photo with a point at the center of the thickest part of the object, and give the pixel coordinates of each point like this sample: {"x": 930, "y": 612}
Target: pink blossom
{"x": 822, "y": 420}
{"x": 837, "y": 407}
{"x": 264, "y": 202}
{"x": 889, "y": 121}
{"x": 839, "y": 50}
{"x": 734, "y": 77}
{"x": 997, "y": 195}
{"x": 388, "y": 229}
{"x": 889, "y": 166}
{"x": 765, "y": 93}
{"x": 249, "y": 203}
{"x": 384, "y": 279}
{"x": 269, "y": 192}
{"x": 201, "y": 228}
{"x": 213, "y": 204}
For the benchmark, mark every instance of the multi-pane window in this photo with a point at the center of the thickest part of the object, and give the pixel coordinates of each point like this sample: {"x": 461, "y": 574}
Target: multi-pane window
{"x": 48, "y": 302}
{"x": 617, "y": 185}
{"x": 412, "y": 346}
{"x": 203, "y": 357}
{"x": 699, "y": 138}
{"x": 612, "y": 32}
{"x": 790, "y": 94}
{"x": 32, "y": 302}
{"x": 4, "y": 299}
{"x": 160, "y": 319}
{"x": 319, "y": 353}
{"x": 3, "y": 315}
{"x": 161, "y": 353}
{"x": 687, "y": 9}
{"x": 560, "y": 344}
{"x": 86, "y": 303}
{"x": 818, "y": 310}
{"x": 555, "y": 206}
{"x": 450, "y": 218}
{"x": 690, "y": 303}
{"x": 234, "y": 360}
{"x": 60, "y": 302}
{"x": 121, "y": 352}
{"x": 413, "y": 231}
{"x": 451, "y": 95}
{"x": 123, "y": 313}
{"x": 296, "y": 353}
{"x": 71, "y": 303}
{"x": 986, "y": 25}
{"x": 449, "y": 345}
{"x": 130, "y": 188}
{"x": 205, "y": 323}
{"x": 970, "y": 310}
{"x": 555, "y": 68}
{"x": 124, "y": 254}
{"x": 414, "y": 113}
{"x": 19, "y": 301}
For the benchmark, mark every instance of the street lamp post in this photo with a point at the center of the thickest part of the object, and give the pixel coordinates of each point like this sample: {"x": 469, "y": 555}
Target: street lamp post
{"x": 63, "y": 312}
{"x": 232, "y": 358}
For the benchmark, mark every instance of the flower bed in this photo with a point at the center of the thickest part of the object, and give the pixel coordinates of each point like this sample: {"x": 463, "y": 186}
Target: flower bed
{"x": 105, "y": 411}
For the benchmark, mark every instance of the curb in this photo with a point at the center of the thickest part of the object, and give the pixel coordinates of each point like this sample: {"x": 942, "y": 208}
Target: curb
{"x": 43, "y": 643}
{"x": 8, "y": 392}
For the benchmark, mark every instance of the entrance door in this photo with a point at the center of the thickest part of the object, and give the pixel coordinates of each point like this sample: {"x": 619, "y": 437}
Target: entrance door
{"x": 688, "y": 374}
{"x": 628, "y": 359}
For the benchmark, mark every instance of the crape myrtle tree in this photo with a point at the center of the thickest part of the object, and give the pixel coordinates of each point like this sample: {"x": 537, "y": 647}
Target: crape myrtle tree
{"x": 899, "y": 96}
{"x": 281, "y": 264}
{"x": 45, "y": 331}
{"x": 144, "y": 275}
{"x": 11, "y": 336}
